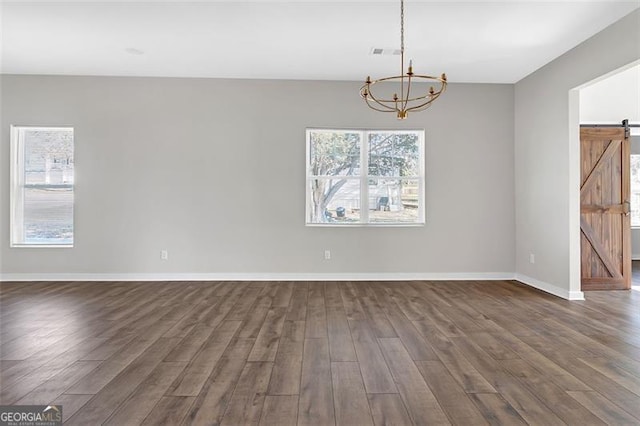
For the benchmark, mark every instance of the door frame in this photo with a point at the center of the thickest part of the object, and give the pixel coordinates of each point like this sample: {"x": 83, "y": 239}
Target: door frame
{"x": 575, "y": 292}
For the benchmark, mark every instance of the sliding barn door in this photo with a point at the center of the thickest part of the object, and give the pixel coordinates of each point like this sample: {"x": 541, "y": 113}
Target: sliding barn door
{"x": 604, "y": 207}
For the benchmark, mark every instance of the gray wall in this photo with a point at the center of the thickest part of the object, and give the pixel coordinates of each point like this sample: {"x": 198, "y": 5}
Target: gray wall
{"x": 213, "y": 171}
{"x": 612, "y": 99}
{"x": 547, "y": 156}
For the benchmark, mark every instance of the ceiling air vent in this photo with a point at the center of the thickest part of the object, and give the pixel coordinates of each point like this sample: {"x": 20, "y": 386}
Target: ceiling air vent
{"x": 384, "y": 52}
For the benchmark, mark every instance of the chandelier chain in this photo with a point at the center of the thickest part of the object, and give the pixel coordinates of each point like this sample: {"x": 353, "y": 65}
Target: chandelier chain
{"x": 402, "y": 26}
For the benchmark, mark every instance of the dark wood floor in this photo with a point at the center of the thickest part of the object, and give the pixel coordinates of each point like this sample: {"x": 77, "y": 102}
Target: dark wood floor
{"x": 465, "y": 353}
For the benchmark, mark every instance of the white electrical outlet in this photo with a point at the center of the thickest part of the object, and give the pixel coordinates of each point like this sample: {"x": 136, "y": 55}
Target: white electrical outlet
{"x": 327, "y": 255}
{"x": 532, "y": 258}
{"x": 164, "y": 254}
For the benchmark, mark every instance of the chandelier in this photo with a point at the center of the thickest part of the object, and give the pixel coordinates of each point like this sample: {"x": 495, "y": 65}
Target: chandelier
{"x": 407, "y": 101}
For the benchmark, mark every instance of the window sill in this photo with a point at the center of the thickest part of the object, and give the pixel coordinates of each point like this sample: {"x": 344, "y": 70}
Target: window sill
{"x": 41, "y": 245}
{"x": 364, "y": 225}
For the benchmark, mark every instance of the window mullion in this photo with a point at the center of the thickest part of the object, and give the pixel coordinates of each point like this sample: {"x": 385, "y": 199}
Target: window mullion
{"x": 364, "y": 177}
{"x": 421, "y": 180}
{"x": 17, "y": 187}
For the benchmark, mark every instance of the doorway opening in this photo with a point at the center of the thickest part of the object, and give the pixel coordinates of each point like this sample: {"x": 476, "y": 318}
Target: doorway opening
{"x": 608, "y": 218}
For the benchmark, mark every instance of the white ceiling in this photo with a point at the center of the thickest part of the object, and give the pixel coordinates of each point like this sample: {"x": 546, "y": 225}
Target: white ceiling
{"x": 473, "y": 41}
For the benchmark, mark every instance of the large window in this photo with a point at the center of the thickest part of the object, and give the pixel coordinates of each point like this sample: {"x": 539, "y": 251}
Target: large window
{"x": 41, "y": 186}
{"x": 365, "y": 177}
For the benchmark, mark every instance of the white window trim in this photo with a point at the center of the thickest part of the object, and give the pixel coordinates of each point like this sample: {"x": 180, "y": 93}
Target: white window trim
{"x": 16, "y": 181}
{"x": 364, "y": 191}
{"x": 631, "y": 197}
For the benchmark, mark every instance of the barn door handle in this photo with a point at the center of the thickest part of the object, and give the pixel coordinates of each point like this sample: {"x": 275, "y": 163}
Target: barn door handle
{"x": 626, "y": 207}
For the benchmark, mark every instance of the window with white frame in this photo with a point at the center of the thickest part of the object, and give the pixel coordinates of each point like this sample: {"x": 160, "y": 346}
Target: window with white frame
{"x": 365, "y": 177}
{"x": 42, "y": 179}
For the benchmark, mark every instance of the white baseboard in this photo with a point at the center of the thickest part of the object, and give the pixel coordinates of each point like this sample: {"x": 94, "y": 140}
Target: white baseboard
{"x": 550, "y": 288}
{"x": 230, "y": 276}
{"x": 635, "y": 257}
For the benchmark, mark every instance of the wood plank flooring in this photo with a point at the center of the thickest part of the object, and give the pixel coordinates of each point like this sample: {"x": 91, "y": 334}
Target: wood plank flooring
{"x": 320, "y": 353}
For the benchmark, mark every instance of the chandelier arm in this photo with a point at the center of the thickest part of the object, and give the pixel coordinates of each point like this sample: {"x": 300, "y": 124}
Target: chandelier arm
{"x": 375, "y": 107}
{"x": 377, "y": 101}
{"x": 420, "y": 107}
{"x": 422, "y": 76}
{"x": 381, "y": 103}
{"x": 418, "y": 98}
{"x": 406, "y": 101}
{"x": 378, "y": 109}
{"x": 369, "y": 94}
{"x": 430, "y": 77}
{"x": 423, "y": 106}
{"x": 395, "y": 77}
{"x": 429, "y": 96}
{"x": 384, "y": 102}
